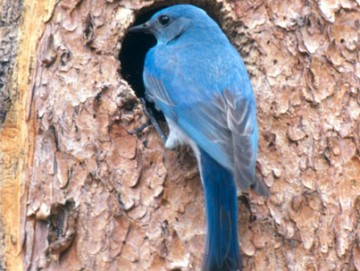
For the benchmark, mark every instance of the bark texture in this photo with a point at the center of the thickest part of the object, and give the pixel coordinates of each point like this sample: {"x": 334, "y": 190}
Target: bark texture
{"x": 80, "y": 193}
{"x": 11, "y": 158}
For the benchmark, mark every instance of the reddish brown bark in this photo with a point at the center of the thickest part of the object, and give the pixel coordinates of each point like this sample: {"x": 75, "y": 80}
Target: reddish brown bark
{"x": 97, "y": 198}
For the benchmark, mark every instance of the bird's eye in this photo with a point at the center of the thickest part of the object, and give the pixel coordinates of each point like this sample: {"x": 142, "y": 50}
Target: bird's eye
{"x": 164, "y": 19}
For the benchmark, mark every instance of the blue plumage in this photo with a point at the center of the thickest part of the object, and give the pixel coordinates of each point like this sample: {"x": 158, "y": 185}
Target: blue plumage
{"x": 199, "y": 81}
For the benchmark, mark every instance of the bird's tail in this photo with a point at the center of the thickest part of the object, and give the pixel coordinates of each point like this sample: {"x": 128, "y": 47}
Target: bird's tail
{"x": 222, "y": 247}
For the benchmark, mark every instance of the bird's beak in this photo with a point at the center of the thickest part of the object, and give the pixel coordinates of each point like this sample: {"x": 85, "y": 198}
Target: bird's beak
{"x": 145, "y": 28}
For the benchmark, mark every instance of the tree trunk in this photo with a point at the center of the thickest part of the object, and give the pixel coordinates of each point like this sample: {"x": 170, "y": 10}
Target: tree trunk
{"x": 78, "y": 192}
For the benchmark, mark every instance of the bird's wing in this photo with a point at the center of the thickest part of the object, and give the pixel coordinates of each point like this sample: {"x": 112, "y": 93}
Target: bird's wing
{"x": 241, "y": 120}
{"x": 201, "y": 121}
{"x": 228, "y": 121}
{"x": 155, "y": 90}
{"x": 221, "y": 121}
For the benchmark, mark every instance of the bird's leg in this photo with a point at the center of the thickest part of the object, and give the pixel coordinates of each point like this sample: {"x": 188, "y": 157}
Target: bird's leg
{"x": 245, "y": 201}
{"x": 138, "y": 130}
{"x": 152, "y": 120}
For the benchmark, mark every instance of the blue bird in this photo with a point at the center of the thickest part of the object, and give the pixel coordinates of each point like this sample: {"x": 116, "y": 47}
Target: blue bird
{"x": 199, "y": 81}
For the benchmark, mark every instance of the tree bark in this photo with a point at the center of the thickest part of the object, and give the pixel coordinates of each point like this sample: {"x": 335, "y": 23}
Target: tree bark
{"x": 78, "y": 192}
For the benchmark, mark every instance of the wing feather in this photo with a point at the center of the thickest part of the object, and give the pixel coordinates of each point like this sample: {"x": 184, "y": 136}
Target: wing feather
{"x": 221, "y": 121}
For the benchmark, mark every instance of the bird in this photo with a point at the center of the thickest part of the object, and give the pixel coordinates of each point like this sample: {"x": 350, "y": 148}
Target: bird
{"x": 196, "y": 77}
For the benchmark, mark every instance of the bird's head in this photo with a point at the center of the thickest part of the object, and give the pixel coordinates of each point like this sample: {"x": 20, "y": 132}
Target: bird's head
{"x": 171, "y": 23}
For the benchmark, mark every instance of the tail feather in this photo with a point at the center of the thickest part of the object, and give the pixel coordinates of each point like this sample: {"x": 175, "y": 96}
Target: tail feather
{"x": 222, "y": 247}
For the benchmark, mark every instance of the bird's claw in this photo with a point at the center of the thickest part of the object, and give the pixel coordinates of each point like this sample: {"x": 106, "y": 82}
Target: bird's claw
{"x": 138, "y": 130}
{"x": 148, "y": 112}
{"x": 245, "y": 201}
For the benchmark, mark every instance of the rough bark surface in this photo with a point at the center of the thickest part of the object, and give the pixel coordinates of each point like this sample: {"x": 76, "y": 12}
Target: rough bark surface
{"x": 9, "y": 22}
{"x": 9, "y": 160}
{"x": 97, "y": 198}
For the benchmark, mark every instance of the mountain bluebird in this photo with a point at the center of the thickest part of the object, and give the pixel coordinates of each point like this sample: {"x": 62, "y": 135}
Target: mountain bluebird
{"x": 199, "y": 81}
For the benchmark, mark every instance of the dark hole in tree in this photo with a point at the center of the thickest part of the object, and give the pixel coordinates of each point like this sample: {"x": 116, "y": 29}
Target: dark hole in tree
{"x": 136, "y": 45}
{"x": 132, "y": 57}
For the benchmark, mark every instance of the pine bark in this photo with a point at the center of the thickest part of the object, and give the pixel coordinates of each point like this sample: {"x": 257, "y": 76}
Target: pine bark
{"x": 78, "y": 192}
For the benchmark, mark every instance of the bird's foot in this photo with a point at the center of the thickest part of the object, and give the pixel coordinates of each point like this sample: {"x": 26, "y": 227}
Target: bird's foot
{"x": 246, "y": 202}
{"x": 152, "y": 121}
{"x": 138, "y": 130}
